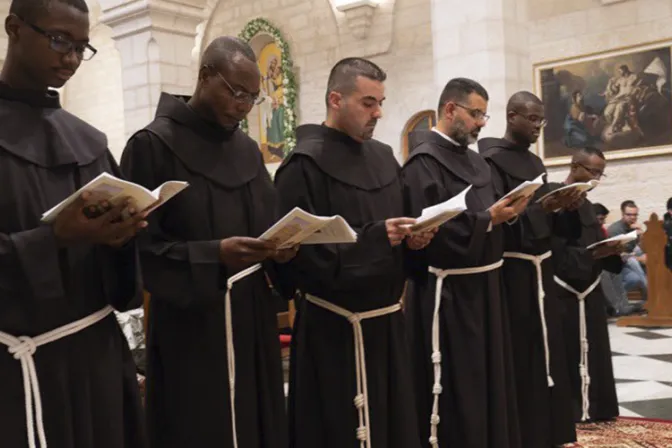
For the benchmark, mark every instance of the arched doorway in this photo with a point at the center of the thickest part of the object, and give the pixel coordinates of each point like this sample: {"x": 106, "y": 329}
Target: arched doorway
{"x": 423, "y": 120}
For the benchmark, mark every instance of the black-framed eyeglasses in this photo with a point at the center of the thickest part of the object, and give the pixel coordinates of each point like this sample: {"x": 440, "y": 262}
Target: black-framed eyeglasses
{"x": 598, "y": 174}
{"x": 59, "y": 44}
{"x": 475, "y": 113}
{"x": 535, "y": 120}
{"x": 242, "y": 96}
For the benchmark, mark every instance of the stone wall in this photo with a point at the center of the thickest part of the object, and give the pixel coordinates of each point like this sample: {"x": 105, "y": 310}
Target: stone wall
{"x": 95, "y": 93}
{"x": 569, "y": 28}
{"x": 312, "y": 30}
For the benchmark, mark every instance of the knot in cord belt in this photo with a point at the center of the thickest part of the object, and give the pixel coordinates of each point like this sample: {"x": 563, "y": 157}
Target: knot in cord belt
{"x": 362, "y": 398}
{"x": 437, "y": 389}
{"x": 583, "y": 342}
{"x": 537, "y": 260}
{"x": 230, "y": 350}
{"x": 22, "y": 348}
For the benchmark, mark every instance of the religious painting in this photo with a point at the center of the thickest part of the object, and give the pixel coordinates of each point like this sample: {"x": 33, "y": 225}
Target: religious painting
{"x": 272, "y": 109}
{"x": 618, "y": 101}
{"x": 273, "y": 122}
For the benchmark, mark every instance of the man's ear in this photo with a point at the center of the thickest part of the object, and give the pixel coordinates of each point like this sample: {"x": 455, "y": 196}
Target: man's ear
{"x": 12, "y": 26}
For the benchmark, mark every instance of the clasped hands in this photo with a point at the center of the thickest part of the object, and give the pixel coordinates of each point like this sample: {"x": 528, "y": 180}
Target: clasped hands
{"x": 399, "y": 229}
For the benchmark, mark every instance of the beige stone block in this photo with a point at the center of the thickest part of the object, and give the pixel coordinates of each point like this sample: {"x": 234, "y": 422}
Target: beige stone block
{"x": 613, "y": 16}
{"x": 169, "y": 74}
{"x": 142, "y": 97}
{"x": 135, "y": 76}
{"x": 648, "y": 10}
{"x": 129, "y": 99}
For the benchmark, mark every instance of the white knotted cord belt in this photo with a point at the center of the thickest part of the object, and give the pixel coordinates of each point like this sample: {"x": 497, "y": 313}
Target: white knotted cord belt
{"x": 230, "y": 350}
{"x": 583, "y": 340}
{"x": 23, "y": 348}
{"x": 437, "y": 389}
{"x": 362, "y": 398}
{"x": 537, "y": 260}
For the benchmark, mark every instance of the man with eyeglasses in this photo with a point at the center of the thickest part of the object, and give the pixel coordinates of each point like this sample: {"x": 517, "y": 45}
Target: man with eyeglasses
{"x": 68, "y": 377}
{"x": 542, "y": 376}
{"x": 457, "y": 320}
{"x": 578, "y": 274}
{"x": 214, "y": 369}
{"x": 633, "y": 275}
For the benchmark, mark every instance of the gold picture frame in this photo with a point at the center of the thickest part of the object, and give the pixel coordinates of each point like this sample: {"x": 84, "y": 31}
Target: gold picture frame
{"x": 618, "y": 100}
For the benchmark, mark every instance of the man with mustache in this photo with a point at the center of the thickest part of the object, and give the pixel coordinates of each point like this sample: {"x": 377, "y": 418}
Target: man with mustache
{"x": 68, "y": 377}
{"x": 349, "y": 341}
{"x": 464, "y": 376}
{"x": 577, "y": 273}
{"x": 542, "y": 377}
{"x": 214, "y": 369}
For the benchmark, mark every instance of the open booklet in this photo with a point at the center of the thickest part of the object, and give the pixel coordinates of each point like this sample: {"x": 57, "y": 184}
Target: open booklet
{"x": 618, "y": 239}
{"x": 439, "y": 214}
{"x": 524, "y": 190}
{"x": 579, "y": 187}
{"x": 301, "y": 227}
{"x": 107, "y": 187}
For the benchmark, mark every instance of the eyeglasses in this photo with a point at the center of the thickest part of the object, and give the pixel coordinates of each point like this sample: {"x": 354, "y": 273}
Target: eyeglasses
{"x": 598, "y": 174}
{"x": 59, "y": 44}
{"x": 538, "y": 121}
{"x": 475, "y": 113}
{"x": 242, "y": 96}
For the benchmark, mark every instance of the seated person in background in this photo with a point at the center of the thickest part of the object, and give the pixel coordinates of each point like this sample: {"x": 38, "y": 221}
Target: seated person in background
{"x": 612, "y": 284}
{"x": 667, "y": 224}
{"x": 634, "y": 258}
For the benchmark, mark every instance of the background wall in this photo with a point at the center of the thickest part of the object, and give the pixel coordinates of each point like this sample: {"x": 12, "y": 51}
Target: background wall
{"x": 311, "y": 29}
{"x": 569, "y": 28}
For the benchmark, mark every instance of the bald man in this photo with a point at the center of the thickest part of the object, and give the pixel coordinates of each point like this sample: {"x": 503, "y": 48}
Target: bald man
{"x": 577, "y": 273}
{"x": 214, "y": 369}
{"x": 540, "y": 365}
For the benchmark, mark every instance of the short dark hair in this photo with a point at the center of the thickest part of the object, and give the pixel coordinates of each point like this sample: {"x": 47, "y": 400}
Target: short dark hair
{"x": 590, "y": 151}
{"x": 224, "y": 50}
{"x": 629, "y": 203}
{"x": 669, "y": 204}
{"x": 458, "y": 89}
{"x": 32, "y": 10}
{"x": 343, "y": 76}
{"x": 600, "y": 209}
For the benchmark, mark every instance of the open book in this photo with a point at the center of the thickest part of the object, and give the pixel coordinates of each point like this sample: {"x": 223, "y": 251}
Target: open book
{"x": 524, "y": 190}
{"x": 438, "y": 214}
{"x": 112, "y": 189}
{"x": 580, "y": 187}
{"x": 614, "y": 240}
{"x": 301, "y": 227}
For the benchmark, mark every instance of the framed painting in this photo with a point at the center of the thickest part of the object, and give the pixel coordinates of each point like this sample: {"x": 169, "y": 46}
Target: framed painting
{"x": 618, "y": 101}
{"x": 272, "y": 123}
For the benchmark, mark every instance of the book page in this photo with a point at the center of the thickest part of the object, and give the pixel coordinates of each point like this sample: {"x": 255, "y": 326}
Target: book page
{"x": 524, "y": 190}
{"x": 336, "y": 231}
{"x": 165, "y": 192}
{"x": 109, "y": 188}
{"x": 614, "y": 240}
{"x": 439, "y": 214}
{"x": 575, "y": 187}
{"x": 295, "y": 228}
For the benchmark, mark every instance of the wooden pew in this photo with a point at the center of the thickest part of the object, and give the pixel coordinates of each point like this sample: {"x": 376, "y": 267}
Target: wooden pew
{"x": 659, "y": 303}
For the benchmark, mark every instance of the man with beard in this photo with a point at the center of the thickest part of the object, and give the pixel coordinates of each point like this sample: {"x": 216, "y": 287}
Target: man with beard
{"x": 68, "y": 378}
{"x": 464, "y": 377}
{"x": 577, "y": 272}
{"x": 214, "y": 371}
{"x": 542, "y": 378}
{"x": 349, "y": 340}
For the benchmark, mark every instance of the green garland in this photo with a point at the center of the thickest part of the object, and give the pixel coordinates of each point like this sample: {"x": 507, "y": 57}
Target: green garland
{"x": 250, "y": 30}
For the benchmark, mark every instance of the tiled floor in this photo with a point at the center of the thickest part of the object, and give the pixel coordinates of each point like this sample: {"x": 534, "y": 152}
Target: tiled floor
{"x": 643, "y": 370}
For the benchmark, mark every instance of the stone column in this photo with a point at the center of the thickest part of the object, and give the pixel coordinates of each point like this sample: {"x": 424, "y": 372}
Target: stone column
{"x": 155, "y": 39}
{"x": 488, "y": 42}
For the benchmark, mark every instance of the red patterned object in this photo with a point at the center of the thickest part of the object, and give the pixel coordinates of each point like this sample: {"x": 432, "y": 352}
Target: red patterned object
{"x": 625, "y": 433}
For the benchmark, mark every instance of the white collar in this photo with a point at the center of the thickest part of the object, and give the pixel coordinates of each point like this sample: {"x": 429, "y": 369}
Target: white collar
{"x": 446, "y": 137}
